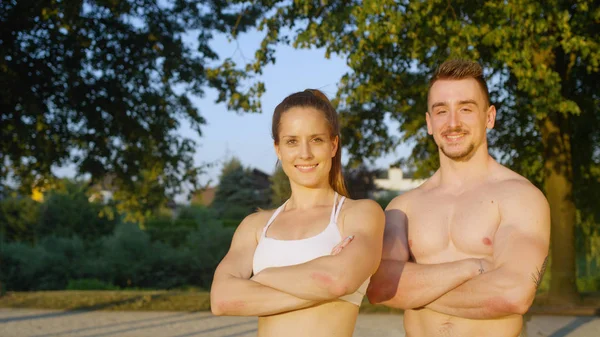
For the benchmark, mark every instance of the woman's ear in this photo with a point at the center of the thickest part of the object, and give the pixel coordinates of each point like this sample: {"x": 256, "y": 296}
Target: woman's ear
{"x": 334, "y": 145}
{"x": 277, "y": 152}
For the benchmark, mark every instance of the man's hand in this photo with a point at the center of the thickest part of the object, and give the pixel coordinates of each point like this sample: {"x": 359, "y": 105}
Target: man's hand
{"x": 485, "y": 266}
{"x": 340, "y": 246}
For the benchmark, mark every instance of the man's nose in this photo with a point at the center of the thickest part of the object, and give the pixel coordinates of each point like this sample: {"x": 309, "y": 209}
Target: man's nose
{"x": 454, "y": 118}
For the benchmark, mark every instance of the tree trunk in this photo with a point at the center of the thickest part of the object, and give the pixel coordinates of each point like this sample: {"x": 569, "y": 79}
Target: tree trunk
{"x": 558, "y": 183}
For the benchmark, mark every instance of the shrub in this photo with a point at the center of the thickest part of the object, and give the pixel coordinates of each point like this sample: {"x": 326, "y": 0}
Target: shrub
{"x": 19, "y": 219}
{"x": 125, "y": 259}
{"x": 69, "y": 212}
{"x": 125, "y": 254}
{"x": 90, "y": 284}
{"x": 207, "y": 246}
{"x": 21, "y": 265}
{"x": 60, "y": 261}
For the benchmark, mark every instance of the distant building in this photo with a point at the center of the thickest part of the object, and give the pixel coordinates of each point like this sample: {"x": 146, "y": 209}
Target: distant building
{"x": 261, "y": 180}
{"x": 205, "y": 197}
{"x": 395, "y": 182}
{"x": 103, "y": 191}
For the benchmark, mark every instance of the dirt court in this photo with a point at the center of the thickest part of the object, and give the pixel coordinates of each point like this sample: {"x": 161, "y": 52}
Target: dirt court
{"x": 53, "y": 323}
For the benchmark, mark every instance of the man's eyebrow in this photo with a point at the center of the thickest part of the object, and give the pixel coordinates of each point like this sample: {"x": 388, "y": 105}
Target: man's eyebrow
{"x": 463, "y": 102}
{"x": 468, "y": 101}
{"x": 436, "y": 104}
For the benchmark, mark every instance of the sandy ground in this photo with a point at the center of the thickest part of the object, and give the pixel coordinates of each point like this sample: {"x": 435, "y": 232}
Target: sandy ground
{"x": 52, "y": 323}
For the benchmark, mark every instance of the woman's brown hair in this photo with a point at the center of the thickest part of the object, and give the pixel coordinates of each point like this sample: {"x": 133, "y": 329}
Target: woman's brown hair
{"x": 312, "y": 98}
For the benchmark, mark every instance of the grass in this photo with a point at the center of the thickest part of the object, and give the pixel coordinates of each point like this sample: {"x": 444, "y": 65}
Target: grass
{"x": 122, "y": 300}
{"x": 127, "y": 300}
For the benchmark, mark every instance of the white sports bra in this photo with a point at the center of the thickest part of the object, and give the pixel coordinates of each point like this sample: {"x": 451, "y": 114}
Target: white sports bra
{"x": 279, "y": 253}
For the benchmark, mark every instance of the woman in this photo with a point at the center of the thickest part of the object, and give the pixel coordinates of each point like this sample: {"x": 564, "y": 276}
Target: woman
{"x": 292, "y": 266}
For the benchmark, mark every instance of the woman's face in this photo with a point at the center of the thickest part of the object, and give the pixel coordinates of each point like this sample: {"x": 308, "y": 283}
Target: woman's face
{"x": 306, "y": 147}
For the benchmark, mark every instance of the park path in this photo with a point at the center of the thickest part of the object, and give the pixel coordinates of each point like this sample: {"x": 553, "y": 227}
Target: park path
{"x": 53, "y": 323}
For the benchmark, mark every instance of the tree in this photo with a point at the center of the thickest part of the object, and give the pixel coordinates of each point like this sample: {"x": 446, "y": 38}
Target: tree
{"x": 67, "y": 211}
{"x": 104, "y": 85}
{"x": 543, "y": 60}
{"x": 241, "y": 191}
{"x": 280, "y": 187}
{"x": 19, "y": 218}
{"x": 360, "y": 181}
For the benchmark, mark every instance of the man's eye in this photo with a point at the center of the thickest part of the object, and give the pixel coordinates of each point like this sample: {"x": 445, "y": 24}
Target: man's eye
{"x": 441, "y": 112}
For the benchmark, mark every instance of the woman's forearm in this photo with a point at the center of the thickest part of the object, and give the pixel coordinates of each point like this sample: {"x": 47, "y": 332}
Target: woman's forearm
{"x": 240, "y": 297}
{"x": 315, "y": 280}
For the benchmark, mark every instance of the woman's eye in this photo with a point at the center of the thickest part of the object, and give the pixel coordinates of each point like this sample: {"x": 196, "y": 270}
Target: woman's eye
{"x": 291, "y": 142}
{"x": 318, "y": 140}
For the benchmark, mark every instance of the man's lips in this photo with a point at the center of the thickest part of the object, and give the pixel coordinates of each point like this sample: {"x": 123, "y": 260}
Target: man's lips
{"x": 454, "y": 136}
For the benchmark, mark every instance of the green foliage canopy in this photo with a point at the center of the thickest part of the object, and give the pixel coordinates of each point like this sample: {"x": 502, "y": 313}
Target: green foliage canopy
{"x": 104, "y": 86}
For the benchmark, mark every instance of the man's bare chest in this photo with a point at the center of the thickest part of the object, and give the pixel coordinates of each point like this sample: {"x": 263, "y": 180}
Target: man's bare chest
{"x": 464, "y": 225}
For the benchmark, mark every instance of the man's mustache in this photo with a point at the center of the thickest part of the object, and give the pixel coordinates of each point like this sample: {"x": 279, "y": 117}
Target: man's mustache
{"x": 455, "y": 130}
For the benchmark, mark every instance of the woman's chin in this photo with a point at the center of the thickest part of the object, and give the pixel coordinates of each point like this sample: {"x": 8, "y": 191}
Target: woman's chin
{"x": 310, "y": 183}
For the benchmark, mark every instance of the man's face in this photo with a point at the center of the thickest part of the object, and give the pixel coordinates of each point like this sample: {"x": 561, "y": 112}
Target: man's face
{"x": 458, "y": 117}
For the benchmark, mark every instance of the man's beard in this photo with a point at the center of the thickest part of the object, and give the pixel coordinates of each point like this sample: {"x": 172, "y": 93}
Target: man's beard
{"x": 460, "y": 156}
{"x": 463, "y": 155}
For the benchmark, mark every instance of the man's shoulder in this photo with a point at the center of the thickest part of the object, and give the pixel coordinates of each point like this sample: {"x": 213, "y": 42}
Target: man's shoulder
{"x": 518, "y": 193}
{"x": 403, "y": 200}
{"x": 512, "y": 184}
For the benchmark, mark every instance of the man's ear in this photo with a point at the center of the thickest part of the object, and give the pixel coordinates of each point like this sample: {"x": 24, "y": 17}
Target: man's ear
{"x": 491, "y": 117}
{"x": 428, "y": 120}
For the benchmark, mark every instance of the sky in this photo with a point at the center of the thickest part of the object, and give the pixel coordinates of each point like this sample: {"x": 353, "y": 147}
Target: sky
{"x": 247, "y": 136}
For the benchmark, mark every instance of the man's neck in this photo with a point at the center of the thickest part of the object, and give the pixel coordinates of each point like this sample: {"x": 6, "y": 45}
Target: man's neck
{"x": 465, "y": 173}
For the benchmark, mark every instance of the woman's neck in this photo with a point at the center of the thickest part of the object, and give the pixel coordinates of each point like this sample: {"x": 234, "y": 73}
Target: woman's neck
{"x": 306, "y": 198}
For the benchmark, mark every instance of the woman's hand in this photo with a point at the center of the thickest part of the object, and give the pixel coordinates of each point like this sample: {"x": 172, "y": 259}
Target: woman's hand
{"x": 340, "y": 246}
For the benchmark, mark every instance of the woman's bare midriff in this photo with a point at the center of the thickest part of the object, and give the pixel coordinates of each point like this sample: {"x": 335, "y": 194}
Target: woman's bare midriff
{"x": 329, "y": 319}
{"x": 428, "y": 323}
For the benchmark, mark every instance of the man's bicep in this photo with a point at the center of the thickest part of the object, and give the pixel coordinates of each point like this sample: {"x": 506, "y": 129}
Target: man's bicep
{"x": 523, "y": 236}
{"x": 395, "y": 238}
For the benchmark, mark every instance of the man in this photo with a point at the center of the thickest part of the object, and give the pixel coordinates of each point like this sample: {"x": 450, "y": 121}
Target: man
{"x": 465, "y": 252}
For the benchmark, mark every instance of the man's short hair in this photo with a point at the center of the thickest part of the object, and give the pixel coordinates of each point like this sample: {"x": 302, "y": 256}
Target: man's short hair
{"x": 458, "y": 69}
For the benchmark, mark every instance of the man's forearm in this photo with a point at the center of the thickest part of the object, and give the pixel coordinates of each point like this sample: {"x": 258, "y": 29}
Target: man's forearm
{"x": 410, "y": 285}
{"x": 487, "y": 296}
{"x": 240, "y": 297}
